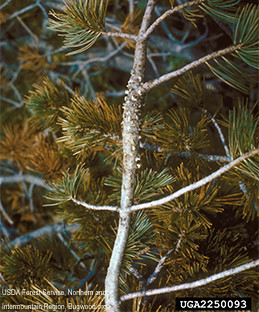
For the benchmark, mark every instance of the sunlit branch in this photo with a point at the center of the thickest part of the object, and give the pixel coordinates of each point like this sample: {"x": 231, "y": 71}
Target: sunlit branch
{"x": 93, "y": 207}
{"x": 121, "y": 35}
{"x": 195, "y": 185}
{"x": 156, "y": 82}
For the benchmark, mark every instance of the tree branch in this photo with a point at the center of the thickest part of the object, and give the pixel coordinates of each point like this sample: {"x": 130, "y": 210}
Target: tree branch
{"x": 5, "y": 4}
{"x": 195, "y": 185}
{"x": 67, "y": 245}
{"x": 99, "y": 59}
{"x": 191, "y": 285}
{"x": 154, "y": 83}
{"x": 24, "y": 178}
{"x": 121, "y": 35}
{"x": 93, "y": 207}
{"x": 45, "y": 230}
{"x": 23, "y": 10}
{"x": 4, "y": 230}
{"x": 14, "y": 103}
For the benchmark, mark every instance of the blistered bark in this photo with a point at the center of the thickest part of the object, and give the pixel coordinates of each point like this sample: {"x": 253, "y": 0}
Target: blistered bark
{"x": 130, "y": 135}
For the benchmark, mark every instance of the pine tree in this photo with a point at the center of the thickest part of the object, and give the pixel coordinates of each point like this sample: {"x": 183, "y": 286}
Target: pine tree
{"x": 143, "y": 202}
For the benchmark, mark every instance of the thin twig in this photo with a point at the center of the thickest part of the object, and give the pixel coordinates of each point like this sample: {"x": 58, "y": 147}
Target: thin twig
{"x": 35, "y": 39}
{"x": 101, "y": 59}
{"x": 14, "y": 103}
{"x": 167, "y": 31}
{"x": 10, "y": 221}
{"x": 28, "y": 8}
{"x": 195, "y": 185}
{"x": 24, "y": 178}
{"x": 43, "y": 10}
{"x": 241, "y": 184}
{"x": 17, "y": 93}
{"x": 14, "y": 77}
{"x": 30, "y": 195}
{"x": 4, "y": 230}
{"x": 191, "y": 285}
{"x": 161, "y": 262}
{"x": 45, "y": 230}
{"x": 5, "y": 4}
{"x": 79, "y": 260}
{"x": 153, "y": 65}
{"x": 217, "y": 158}
{"x": 158, "y": 268}
{"x": 2, "y": 278}
{"x": 66, "y": 244}
{"x": 220, "y": 134}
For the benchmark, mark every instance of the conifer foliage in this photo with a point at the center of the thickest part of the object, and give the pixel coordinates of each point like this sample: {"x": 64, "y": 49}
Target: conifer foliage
{"x": 124, "y": 194}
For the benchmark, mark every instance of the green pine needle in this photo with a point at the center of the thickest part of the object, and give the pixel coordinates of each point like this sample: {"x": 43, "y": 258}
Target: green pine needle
{"x": 25, "y": 265}
{"x": 45, "y": 103}
{"x": 246, "y": 33}
{"x": 194, "y": 92}
{"x": 177, "y": 135}
{"x": 91, "y": 124}
{"x": 140, "y": 240}
{"x": 243, "y": 137}
{"x": 238, "y": 77}
{"x": 67, "y": 187}
{"x": 245, "y": 37}
{"x": 149, "y": 185}
{"x": 82, "y": 23}
{"x": 223, "y": 10}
